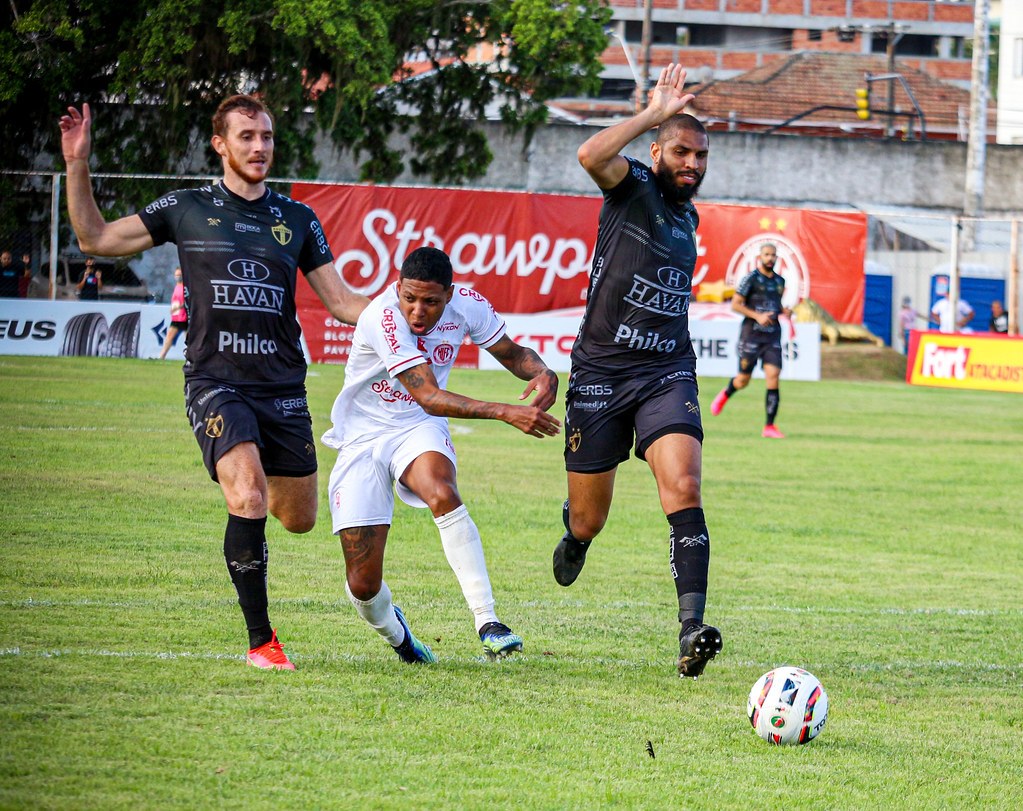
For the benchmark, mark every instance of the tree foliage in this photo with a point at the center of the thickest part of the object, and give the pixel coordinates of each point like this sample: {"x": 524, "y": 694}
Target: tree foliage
{"x": 154, "y": 73}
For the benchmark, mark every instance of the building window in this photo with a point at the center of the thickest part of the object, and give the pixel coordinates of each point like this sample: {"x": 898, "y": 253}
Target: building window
{"x": 814, "y": 35}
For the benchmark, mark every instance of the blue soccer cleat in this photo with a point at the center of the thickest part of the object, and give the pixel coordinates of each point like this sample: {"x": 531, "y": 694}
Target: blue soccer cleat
{"x": 411, "y": 650}
{"x": 498, "y": 640}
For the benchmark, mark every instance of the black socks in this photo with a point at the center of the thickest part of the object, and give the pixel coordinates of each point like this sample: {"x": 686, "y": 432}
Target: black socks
{"x": 246, "y": 555}
{"x": 771, "y": 399}
{"x": 690, "y": 562}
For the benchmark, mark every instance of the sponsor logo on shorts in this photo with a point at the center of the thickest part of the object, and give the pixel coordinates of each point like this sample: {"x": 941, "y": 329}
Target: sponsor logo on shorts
{"x": 596, "y": 389}
{"x": 682, "y": 374}
{"x": 292, "y": 406}
{"x": 215, "y": 426}
{"x": 207, "y": 395}
{"x": 693, "y": 408}
{"x": 590, "y": 405}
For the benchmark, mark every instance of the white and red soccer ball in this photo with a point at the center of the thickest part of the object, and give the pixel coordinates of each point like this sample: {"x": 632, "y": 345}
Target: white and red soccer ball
{"x": 787, "y": 705}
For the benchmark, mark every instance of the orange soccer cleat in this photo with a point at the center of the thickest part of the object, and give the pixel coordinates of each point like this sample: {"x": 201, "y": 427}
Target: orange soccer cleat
{"x": 270, "y": 656}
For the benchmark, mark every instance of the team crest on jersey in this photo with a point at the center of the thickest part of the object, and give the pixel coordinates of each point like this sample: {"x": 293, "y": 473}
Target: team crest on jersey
{"x": 443, "y": 353}
{"x": 281, "y": 233}
{"x": 791, "y": 266}
{"x": 215, "y": 426}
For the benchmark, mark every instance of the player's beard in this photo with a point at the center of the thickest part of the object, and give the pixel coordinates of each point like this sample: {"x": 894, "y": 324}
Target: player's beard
{"x": 245, "y": 173}
{"x": 670, "y": 188}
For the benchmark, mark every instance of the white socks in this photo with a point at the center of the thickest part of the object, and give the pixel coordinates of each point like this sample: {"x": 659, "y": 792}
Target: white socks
{"x": 378, "y": 611}
{"x": 464, "y": 550}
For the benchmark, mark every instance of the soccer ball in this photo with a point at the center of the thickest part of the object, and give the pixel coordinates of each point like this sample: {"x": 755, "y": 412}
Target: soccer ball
{"x": 787, "y": 705}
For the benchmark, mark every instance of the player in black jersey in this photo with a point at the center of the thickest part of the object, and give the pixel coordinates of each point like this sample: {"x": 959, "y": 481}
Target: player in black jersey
{"x": 633, "y": 379}
{"x": 759, "y": 299}
{"x": 239, "y": 246}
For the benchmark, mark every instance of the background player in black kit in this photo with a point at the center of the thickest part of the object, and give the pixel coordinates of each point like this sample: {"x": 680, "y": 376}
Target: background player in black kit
{"x": 633, "y": 379}
{"x": 239, "y": 246}
{"x": 758, "y": 298}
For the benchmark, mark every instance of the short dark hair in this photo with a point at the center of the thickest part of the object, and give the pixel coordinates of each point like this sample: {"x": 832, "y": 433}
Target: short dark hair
{"x": 428, "y": 265}
{"x": 682, "y": 121}
{"x": 241, "y": 103}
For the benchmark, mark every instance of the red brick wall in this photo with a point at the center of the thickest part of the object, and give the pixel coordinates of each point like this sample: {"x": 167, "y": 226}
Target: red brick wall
{"x": 744, "y": 6}
{"x": 828, "y": 8}
{"x": 695, "y": 58}
{"x": 743, "y": 60}
{"x": 911, "y": 11}
{"x": 702, "y": 5}
{"x": 949, "y": 71}
{"x": 666, "y": 4}
{"x": 785, "y": 6}
{"x": 955, "y": 12}
{"x": 871, "y": 9}
{"x": 828, "y": 42}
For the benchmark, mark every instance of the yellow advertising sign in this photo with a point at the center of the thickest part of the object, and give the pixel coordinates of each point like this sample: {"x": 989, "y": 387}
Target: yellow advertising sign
{"x": 965, "y": 361}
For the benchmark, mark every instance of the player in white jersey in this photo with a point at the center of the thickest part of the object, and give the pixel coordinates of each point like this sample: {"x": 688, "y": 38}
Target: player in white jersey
{"x": 390, "y": 429}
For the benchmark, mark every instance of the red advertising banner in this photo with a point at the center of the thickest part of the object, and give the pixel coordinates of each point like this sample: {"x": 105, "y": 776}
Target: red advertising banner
{"x": 530, "y": 253}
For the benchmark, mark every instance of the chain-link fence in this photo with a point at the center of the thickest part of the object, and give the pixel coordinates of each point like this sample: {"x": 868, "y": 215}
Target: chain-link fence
{"x": 910, "y": 255}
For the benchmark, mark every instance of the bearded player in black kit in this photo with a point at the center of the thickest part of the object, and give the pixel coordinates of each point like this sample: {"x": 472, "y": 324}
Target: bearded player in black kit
{"x": 239, "y": 246}
{"x": 758, "y": 299}
{"x": 633, "y": 379}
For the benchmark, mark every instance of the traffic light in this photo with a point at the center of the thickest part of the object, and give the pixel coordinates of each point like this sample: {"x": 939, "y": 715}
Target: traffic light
{"x": 863, "y": 103}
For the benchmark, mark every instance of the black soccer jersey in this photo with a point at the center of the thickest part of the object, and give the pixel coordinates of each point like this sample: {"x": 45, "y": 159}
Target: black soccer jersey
{"x": 637, "y": 309}
{"x": 238, "y": 259}
{"x": 764, "y": 295}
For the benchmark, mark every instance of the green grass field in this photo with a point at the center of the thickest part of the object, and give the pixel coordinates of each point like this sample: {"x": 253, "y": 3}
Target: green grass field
{"x": 879, "y": 546}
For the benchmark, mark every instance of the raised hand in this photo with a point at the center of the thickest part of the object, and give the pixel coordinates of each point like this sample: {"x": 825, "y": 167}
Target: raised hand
{"x": 76, "y": 134}
{"x": 668, "y": 96}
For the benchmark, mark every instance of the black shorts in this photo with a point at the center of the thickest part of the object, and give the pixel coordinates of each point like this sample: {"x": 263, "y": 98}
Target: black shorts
{"x": 607, "y": 416}
{"x": 223, "y": 416}
{"x": 766, "y": 349}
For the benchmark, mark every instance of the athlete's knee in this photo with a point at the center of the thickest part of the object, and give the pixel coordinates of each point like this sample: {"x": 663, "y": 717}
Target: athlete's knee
{"x": 248, "y": 502}
{"x": 740, "y": 381}
{"x": 441, "y": 497}
{"x": 586, "y": 525}
{"x": 296, "y": 522}
{"x": 684, "y": 493}
{"x": 364, "y": 585}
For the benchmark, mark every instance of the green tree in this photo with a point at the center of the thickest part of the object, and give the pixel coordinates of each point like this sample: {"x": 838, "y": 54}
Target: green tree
{"x": 154, "y": 73}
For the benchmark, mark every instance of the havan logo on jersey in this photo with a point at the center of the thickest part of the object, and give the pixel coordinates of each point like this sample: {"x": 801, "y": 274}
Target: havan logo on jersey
{"x": 247, "y": 290}
{"x": 668, "y": 296}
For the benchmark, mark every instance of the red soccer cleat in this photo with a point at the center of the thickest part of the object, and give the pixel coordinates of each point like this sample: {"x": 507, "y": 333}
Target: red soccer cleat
{"x": 770, "y": 432}
{"x": 270, "y": 656}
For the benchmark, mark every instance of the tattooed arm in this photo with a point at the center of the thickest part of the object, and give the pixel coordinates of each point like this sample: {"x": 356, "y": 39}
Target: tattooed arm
{"x": 526, "y": 365}
{"x": 422, "y": 385}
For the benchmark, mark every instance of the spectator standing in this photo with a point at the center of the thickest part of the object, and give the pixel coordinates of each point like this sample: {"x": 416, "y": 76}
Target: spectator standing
{"x": 9, "y": 275}
{"x": 941, "y": 314}
{"x": 999, "y": 318}
{"x": 178, "y": 314}
{"x": 91, "y": 284}
{"x": 908, "y": 317}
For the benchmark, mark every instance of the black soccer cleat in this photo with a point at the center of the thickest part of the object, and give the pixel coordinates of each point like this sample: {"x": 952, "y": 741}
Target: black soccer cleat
{"x": 569, "y": 554}
{"x": 696, "y": 648}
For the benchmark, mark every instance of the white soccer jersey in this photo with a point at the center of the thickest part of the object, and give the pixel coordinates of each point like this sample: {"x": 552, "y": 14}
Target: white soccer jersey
{"x": 372, "y": 398}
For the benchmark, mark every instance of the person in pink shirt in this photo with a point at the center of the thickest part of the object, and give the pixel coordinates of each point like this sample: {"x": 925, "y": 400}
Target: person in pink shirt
{"x": 179, "y": 315}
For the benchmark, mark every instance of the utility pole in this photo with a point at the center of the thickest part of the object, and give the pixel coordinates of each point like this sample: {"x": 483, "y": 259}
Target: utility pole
{"x": 976, "y": 142}
{"x": 892, "y": 33}
{"x": 648, "y": 32}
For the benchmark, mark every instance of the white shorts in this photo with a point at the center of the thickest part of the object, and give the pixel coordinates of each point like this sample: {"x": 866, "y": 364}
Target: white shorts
{"x": 362, "y": 483}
